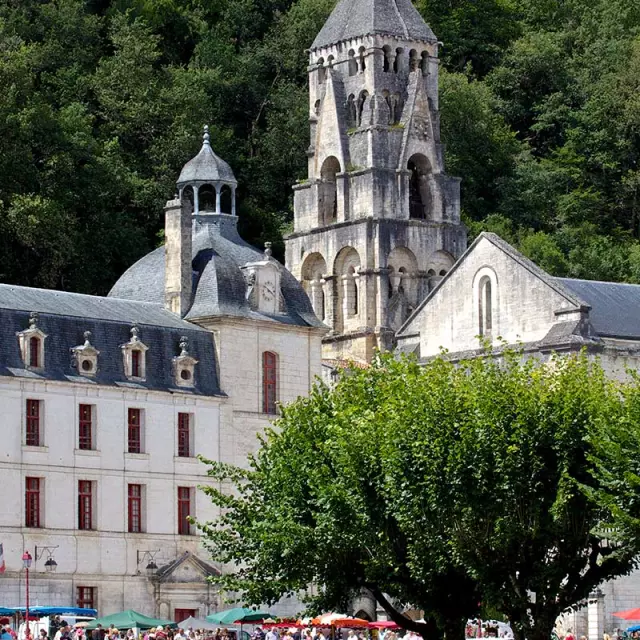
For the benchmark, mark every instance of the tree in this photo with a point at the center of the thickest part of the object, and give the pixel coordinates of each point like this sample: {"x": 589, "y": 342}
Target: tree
{"x": 439, "y": 486}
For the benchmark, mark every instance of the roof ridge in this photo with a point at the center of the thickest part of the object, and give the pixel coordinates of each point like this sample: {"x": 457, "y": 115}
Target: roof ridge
{"x": 626, "y": 284}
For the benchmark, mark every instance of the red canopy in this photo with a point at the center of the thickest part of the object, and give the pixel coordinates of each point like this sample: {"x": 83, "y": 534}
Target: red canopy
{"x": 629, "y": 614}
{"x": 383, "y": 624}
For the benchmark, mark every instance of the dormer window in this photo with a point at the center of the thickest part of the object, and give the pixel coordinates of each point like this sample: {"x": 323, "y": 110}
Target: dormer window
{"x": 184, "y": 365}
{"x": 85, "y": 357}
{"x": 32, "y": 344}
{"x": 134, "y": 355}
{"x": 263, "y": 284}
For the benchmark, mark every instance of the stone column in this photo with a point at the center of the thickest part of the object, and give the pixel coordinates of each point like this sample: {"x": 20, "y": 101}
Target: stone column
{"x": 196, "y": 202}
{"x": 233, "y": 201}
{"x": 317, "y": 297}
{"x": 382, "y": 296}
{"x": 342, "y": 196}
{"x": 218, "y": 195}
{"x": 595, "y": 613}
{"x": 329, "y": 302}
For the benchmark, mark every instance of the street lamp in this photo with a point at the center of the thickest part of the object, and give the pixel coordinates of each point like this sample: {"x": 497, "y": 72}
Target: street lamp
{"x": 50, "y": 565}
{"x": 26, "y": 562}
{"x": 151, "y": 567}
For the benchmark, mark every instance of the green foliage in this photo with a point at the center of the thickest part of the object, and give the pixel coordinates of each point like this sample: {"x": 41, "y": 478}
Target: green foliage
{"x": 441, "y": 486}
{"x": 103, "y": 100}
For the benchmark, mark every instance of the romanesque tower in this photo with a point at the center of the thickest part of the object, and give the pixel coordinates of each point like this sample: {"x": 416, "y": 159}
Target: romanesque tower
{"x": 377, "y": 222}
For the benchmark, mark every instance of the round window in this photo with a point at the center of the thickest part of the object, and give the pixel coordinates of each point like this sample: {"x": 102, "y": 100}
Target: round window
{"x": 185, "y": 374}
{"x": 87, "y": 365}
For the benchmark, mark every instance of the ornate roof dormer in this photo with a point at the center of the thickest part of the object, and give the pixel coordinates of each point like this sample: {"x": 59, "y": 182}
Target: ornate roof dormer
{"x": 184, "y": 365}
{"x": 85, "y": 357}
{"x": 207, "y": 181}
{"x": 31, "y": 342}
{"x": 134, "y": 356}
{"x": 263, "y": 283}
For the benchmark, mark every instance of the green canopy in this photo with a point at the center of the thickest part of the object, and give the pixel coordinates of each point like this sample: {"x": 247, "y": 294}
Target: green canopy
{"x": 239, "y": 614}
{"x": 129, "y": 619}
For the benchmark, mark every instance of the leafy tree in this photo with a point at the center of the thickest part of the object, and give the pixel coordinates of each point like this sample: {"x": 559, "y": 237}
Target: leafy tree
{"x": 439, "y": 486}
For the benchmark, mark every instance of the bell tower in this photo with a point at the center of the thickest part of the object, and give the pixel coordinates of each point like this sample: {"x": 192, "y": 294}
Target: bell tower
{"x": 377, "y": 222}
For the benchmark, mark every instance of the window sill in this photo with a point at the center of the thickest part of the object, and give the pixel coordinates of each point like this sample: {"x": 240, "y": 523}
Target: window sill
{"x": 34, "y": 449}
{"x": 87, "y": 452}
{"x": 136, "y": 456}
{"x": 187, "y": 459}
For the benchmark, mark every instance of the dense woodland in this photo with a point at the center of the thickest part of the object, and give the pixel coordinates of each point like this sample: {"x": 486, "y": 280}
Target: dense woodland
{"x": 102, "y": 102}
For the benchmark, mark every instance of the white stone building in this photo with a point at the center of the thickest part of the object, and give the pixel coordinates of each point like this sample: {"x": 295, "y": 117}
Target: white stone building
{"x": 495, "y": 294}
{"x": 106, "y": 402}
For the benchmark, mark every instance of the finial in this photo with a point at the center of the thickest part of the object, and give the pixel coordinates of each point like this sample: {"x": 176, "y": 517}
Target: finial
{"x": 87, "y": 338}
{"x": 33, "y": 320}
{"x": 184, "y": 346}
{"x": 134, "y": 333}
{"x": 267, "y": 250}
{"x": 205, "y": 137}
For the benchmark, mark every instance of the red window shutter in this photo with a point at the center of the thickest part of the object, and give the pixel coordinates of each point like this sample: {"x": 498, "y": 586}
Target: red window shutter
{"x": 184, "y": 435}
{"x": 135, "y": 508}
{"x": 85, "y": 505}
{"x": 32, "y": 502}
{"x": 134, "y": 431}
{"x": 34, "y": 352}
{"x": 135, "y": 363}
{"x": 184, "y": 511}
{"x": 269, "y": 382}
{"x": 33, "y": 423}
{"x": 85, "y": 435}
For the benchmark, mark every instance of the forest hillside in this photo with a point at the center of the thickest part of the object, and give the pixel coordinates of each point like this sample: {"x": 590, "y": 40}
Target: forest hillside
{"x": 103, "y": 101}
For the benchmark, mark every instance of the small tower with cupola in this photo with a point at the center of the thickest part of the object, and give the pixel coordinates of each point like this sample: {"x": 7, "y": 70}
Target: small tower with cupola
{"x": 377, "y": 222}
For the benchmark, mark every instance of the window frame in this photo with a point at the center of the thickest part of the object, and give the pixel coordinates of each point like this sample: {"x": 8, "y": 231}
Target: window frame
{"x": 85, "y": 505}
{"x": 86, "y": 428}
{"x": 134, "y": 430}
{"x": 185, "y": 433}
{"x": 185, "y": 496}
{"x": 33, "y": 502}
{"x": 33, "y": 423}
{"x": 270, "y": 382}
{"x": 86, "y": 597}
{"x": 134, "y": 508}
{"x": 34, "y": 353}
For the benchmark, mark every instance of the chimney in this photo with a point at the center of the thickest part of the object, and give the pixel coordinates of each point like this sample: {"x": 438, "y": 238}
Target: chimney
{"x": 177, "y": 268}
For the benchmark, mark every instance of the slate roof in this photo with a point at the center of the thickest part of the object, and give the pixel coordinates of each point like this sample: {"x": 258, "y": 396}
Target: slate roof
{"x": 206, "y": 167}
{"x": 219, "y": 287}
{"x": 357, "y": 18}
{"x": 64, "y": 317}
{"x": 615, "y": 307}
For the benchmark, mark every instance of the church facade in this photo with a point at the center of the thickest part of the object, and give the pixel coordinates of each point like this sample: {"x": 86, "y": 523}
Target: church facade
{"x": 377, "y": 221}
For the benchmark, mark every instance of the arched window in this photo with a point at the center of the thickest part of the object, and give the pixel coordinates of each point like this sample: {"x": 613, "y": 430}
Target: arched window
{"x": 386, "y": 62}
{"x": 363, "y": 62}
{"x": 419, "y": 189}
{"x": 269, "y": 382}
{"x": 225, "y": 199}
{"x": 485, "y": 311}
{"x": 330, "y": 169}
{"x": 351, "y": 293}
{"x": 187, "y": 196}
{"x": 316, "y": 107}
{"x": 424, "y": 63}
{"x": 413, "y": 60}
{"x": 353, "y": 63}
{"x": 361, "y": 101}
{"x": 352, "y": 112}
{"x": 321, "y": 71}
{"x": 397, "y": 63}
{"x": 34, "y": 352}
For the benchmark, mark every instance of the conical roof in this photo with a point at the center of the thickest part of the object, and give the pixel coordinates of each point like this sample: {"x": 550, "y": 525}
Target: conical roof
{"x": 206, "y": 166}
{"x": 357, "y": 18}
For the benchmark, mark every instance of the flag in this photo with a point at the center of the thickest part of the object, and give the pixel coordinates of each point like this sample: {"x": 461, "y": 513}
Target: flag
{"x": 2, "y": 564}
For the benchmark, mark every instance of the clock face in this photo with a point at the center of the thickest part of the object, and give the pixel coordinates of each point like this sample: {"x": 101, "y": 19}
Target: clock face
{"x": 268, "y": 291}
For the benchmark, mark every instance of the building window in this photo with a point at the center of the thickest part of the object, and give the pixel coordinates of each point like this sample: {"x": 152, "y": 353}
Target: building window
{"x": 33, "y": 431}
{"x": 134, "y": 431}
{"x": 184, "y": 511}
{"x": 86, "y": 597}
{"x": 86, "y": 439}
{"x": 32, "y": 502}
{"x": 34, "y": 352}
{"x": 135, "y": 364}
{"x": 184, "y": 435}
{"x": 485, "y": 311}
{"x": 269, "y": 382}
{"x": 85, "y": 505}
{"x": 135, "y": 508}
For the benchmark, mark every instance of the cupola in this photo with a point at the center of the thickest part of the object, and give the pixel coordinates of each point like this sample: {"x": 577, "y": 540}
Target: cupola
{"x": 207, "y": 181}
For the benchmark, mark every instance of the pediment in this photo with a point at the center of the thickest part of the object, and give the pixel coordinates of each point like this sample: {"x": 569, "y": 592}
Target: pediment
{"x": 185, "y": 569}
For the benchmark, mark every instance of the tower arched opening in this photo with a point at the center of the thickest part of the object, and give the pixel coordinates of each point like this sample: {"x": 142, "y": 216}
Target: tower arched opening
{"x": 362, "y": 98}
{"x": 352, "y": 112}
{"x": 386, "y": 61}
{"x": 353, "y": 63}
{"x": 207, "y": 198}
{"x": 321, "y": 71}
{"x": 313, "y": 271}
{"x": 397, "y": 63}
{"x": 329, "y": 195}
{"x": 413, "y": 60}
{"x": 424, "y": 63}
{"x": 361, "y": 59}
{"x": 226, "y": 199}
{"x": 346, "y": 271}
{"x": 419, "y": 187}
{"x": 188, "y": 195}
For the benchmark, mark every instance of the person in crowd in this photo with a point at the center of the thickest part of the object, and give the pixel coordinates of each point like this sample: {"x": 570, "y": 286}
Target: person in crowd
{"x": 272, "y": 634}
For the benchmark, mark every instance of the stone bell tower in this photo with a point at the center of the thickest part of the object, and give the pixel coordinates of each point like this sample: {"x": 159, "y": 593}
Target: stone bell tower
{"x": 377, "y": 222}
